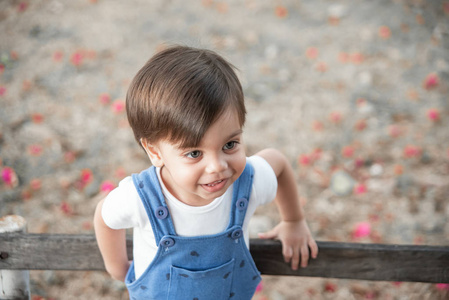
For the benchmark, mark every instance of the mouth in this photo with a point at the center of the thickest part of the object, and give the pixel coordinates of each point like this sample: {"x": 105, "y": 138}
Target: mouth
{"x": 215, "y": 182}
{"x": 215, "y": 186}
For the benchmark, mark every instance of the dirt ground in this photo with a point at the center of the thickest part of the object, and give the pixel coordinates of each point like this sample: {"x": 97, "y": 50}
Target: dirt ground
{"x": 355, "y": 93}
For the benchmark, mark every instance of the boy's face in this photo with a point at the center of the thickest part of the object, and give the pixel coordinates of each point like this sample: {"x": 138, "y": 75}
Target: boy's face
{"x": 196, "y": 176}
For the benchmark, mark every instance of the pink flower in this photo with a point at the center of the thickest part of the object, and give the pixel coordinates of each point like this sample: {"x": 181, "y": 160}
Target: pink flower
{"x": 107, "y": 186}
{"x": 360, "y": 125}
{"x": 118, "y": 106}
{"x": 87, "y": 225}
{"x": 394, "y": 131}
{"x": 9, "y": 177}
{"x": 259, "y": 287}
{"x": 433, "y": 114}
{"x": 432, "y": 80}
{"x": 335, "y": 117}
{"x": 361, "y": 102}
{"x": 69, "y": 157}
{"x": 57, "y": 56}
{"x": 357, "y": 58}
{"x": 362, "y": 230}
{"x": 304, "y": 159}
{"x": 317, "y": 126}
{"x": 105, "y": 98}
{"x": 347, "y": 151}
{"x": 35, "y": 150}
{"x": 26, "y": 194}
{"x": 330, "y": 287}
{"x": 77, "y": 58}
{"x": 84, "y": 179}
{"x": 384, "y": 32}
{"x": 86, "y": 176}
{"x": 2, "y": 90}
{"x": 14, "y": 55}
{"x": 398, "y": 170}
{"x": 36, "y": 184}
{"x": 22, "y": 6}
{"x": 412, "y": 151}
{"x": 360, "y": 189}
{"x": 281, "y": 11}
{"x": 312, "y": 52}
{"x": 120, "y": 173}
{"x": 37, "y": 118}
{"x": 66, "y": 208}
{"x": 359, "y": 162}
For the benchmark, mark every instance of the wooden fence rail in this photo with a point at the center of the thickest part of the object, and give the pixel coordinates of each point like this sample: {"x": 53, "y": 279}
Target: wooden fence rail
{"x": 20, "y": 251}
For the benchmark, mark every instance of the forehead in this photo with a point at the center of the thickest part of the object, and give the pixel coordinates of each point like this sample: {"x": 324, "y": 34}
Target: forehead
{"x": 224, "y": 128}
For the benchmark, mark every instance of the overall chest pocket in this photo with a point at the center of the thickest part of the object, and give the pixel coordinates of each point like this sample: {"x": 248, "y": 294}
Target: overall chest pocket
{"x": 201, "y": 285}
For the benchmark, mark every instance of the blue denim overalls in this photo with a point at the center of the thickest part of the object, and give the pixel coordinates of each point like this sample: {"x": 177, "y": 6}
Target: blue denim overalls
{"x": 195, "y": 268}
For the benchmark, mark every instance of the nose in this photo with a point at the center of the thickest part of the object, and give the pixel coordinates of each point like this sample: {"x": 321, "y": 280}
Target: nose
{"x": 216, "y": 164}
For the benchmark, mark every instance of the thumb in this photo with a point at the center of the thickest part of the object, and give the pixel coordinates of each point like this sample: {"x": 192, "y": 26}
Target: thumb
{"x": 269, "y": 234}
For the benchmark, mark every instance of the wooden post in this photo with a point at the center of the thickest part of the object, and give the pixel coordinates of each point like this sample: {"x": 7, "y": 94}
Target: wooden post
{"x": 14, "y": 285}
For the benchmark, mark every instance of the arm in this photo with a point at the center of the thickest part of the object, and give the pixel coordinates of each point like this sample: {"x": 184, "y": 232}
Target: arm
{"x": 112, "y": 244}
{"x": 293, "y": 230}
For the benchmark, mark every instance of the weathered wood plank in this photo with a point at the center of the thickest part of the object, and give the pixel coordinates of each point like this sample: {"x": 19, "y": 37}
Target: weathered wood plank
{"x": 377, "y": 262}
{"x": 14, "y": 284}
{"x": 336, "y": 260}
{"x": 52, "y": 252}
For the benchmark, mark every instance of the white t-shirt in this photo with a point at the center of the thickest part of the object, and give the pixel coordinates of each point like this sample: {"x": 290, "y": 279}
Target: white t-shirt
{"x": 123, "y": 209}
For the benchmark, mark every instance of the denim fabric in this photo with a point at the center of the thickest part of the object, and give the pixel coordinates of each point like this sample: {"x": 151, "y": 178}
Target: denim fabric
{"x": 203, "y": 267}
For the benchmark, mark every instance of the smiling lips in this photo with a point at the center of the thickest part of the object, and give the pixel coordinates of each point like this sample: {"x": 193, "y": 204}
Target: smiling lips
{"x": 215, "y": 183}
{"x": 215, "y": 186}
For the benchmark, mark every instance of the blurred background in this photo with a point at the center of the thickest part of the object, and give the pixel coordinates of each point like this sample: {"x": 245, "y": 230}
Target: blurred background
{"x": 355, "y": 93}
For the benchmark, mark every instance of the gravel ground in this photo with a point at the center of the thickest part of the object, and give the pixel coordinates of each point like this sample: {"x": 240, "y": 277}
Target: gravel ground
{"x": 356, "y": 94}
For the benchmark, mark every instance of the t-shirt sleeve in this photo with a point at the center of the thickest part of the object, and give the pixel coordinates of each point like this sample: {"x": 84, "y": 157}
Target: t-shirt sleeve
{"x": 265, "y": 182}
{"x": 122, "y": 207}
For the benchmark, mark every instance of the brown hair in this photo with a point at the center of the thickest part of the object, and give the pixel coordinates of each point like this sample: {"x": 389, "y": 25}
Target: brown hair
{"x": 179, "y": 93}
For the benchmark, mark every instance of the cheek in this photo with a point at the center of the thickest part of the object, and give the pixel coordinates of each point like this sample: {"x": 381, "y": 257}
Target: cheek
{"x": 240, "y": 163}
{"x": 186, "y": 175}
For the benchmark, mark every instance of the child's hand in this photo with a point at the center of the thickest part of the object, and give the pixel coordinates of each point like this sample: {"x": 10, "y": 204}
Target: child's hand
{"x": 296, "y": 240}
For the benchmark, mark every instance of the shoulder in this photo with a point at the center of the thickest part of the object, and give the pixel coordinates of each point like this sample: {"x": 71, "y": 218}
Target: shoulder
{"x": 265, "y": 180}
{"x": 125, "y": 187}
{"x": 122, "y": 205}
{"x": 261, "y": 166}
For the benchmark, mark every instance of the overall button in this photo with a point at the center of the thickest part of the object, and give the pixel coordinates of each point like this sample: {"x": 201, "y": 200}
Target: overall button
{"x": 236, "y": 234}
{"x": 141, "y": 185}
{"x": 161, "y": 212}
{"x": 167, "y": 242}
{"x": 241, "y": 203}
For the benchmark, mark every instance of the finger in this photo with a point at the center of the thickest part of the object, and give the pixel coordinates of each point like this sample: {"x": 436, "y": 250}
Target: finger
{"x": 313, "y": 248}
{"x": 288, "y": 253}
{"x": 268, "y": 235}
{"x": 304, "y": 256}
{"x": 295, "y": 259}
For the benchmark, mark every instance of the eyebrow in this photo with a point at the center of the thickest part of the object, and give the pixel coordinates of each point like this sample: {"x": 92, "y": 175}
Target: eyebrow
{"x": 235, "y": 133}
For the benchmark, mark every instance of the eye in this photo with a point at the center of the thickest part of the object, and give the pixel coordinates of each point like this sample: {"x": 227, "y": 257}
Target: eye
{"x": 194, "y": 154}
{"x": 230, "y": 145}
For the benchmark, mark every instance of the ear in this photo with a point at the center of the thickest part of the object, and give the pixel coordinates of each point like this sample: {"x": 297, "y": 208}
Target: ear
{"x": 153, "y": 153}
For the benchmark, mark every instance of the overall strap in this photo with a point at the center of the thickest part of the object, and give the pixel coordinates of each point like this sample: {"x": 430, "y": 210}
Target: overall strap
{"x": 150, "y": 192}
{"x": 241, "y": 196}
